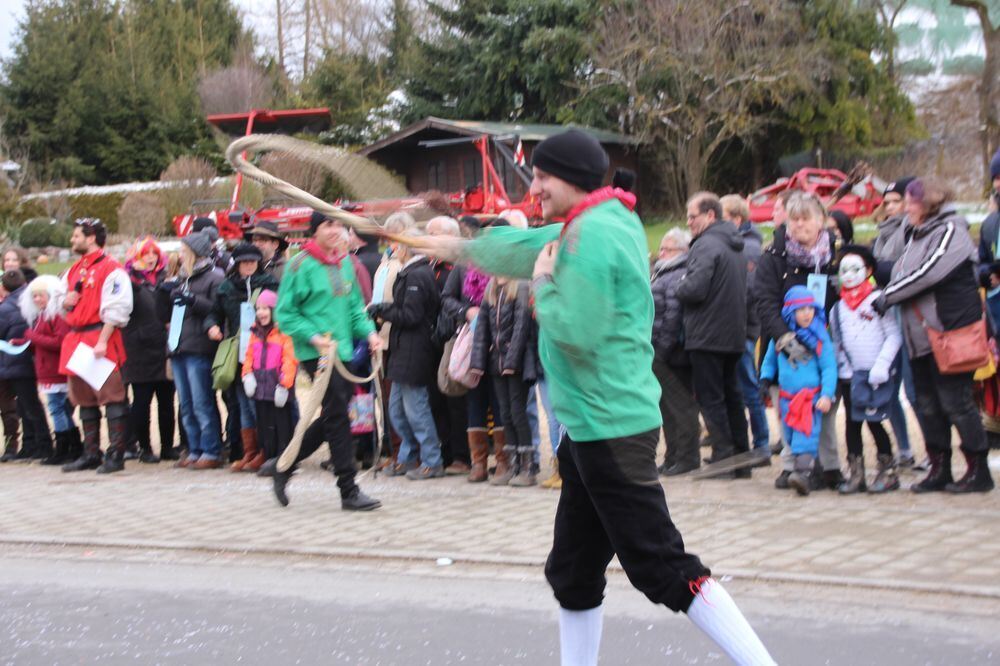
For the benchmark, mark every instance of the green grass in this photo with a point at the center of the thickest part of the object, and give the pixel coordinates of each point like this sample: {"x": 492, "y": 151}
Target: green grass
{"x": 53, "y": 267}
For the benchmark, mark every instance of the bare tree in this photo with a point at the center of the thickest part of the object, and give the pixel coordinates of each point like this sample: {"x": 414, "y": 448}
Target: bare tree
{"x": 242, "y": 86}
{"x": 141, "y": 213}
{"x": 989, "y": 86}
{"x": 888, "y": 12}
{"x": 693, "y": 76}
{"x": 192, "y": 181}
{"x": 305, "y": 175}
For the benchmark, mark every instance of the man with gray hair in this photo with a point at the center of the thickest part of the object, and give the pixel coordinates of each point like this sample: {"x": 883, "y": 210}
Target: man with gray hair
{"x": 714, "y": 294}
{"x": 671, "y": 364}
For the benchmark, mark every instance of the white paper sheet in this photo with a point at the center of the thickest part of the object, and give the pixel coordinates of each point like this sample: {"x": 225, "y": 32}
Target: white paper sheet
{"x": 95, "y": 371}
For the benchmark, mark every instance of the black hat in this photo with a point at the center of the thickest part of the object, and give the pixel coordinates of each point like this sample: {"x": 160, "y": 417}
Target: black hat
{"x": 247, "y": 252}
{"x": 317, "y": 218}
{"x": 201, "y": 222}
{"x": 864, "y": 252}
{"x": 573, "y": 156}
{"x": 899, "y": 187}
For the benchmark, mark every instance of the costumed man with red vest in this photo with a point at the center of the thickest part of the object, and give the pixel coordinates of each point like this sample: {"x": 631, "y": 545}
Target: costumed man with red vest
{"x": 98, "y": 304}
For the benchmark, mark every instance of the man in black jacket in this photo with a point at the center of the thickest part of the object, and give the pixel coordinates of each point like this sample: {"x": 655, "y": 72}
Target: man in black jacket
{"x": 714, "y": 294}
{"x": 412, "y": 364}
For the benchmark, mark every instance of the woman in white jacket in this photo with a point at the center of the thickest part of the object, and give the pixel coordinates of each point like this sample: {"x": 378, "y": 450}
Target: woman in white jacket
{"x": 867, "y": 347}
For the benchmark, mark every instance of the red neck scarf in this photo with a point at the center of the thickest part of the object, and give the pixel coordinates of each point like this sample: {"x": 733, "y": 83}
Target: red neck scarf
{"x": 319, "y": 254}
{"x": 596, "y": 198}
{"x": 852, "y": 298}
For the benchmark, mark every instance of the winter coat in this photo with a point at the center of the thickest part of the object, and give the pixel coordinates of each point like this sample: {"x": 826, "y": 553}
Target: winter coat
{"x": 202, "y": 286}
{"x": 865, "y": 340}
{"x": 937, "y": 276}
{"x": 668, "y": 313}
{"x": 13, "y": 327}
{"x": 714, "y": 291}
{"x": 308, "y": 306}
{"x": 819, "y": 371}
{"x": 275, "y": 266}
{"x": 370, "y": 257}
{"x": 504, "y": 334}
{"x": 753, "y": 244}
{"x": 774, "y": 277}
{"x": 989, "y": 235}
{"x": 363, "y": 279}
{"x": 272, "y": 362}
{"x": 454, "y": 305}
{"x": 46, "y": 342}
{"x": 888, "y": 246}
{"x": 413, "y": 356}
{"x": 232, "y": 294}
{"x": 145, "y": 336}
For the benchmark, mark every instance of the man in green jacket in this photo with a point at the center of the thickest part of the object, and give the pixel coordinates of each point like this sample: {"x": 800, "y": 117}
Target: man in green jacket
{"x": 319, "y": 302}
{"x": 590, "y": 278}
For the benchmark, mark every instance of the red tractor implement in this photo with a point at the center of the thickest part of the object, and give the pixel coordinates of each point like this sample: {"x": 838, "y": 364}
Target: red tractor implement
{"x": 852, "y": 193}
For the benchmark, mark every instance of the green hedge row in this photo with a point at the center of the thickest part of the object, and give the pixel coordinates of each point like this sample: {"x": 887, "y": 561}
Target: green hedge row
{"x": 103, "y": 206}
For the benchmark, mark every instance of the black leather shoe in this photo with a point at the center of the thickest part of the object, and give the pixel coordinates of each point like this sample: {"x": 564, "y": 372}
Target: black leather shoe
{"x": 111, "y": 465}
{"x": 358, "y": 501}
{"x": 82, "y": 463}
{"x": 148, "y": 457}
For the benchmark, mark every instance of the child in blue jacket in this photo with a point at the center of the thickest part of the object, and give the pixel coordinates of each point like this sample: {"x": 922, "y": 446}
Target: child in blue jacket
{"x": 807, "y": 389}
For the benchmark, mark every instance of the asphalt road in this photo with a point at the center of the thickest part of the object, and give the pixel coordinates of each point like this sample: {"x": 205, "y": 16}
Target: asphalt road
{"x": 65, "y": 606}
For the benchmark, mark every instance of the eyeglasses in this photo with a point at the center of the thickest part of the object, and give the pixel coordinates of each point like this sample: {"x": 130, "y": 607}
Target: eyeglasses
{"x": 695, "y": 216}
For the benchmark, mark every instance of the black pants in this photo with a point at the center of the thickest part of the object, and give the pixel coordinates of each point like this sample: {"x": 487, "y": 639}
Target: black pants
{"x": 450, "y": 419}
{"x": 716, "y": 382}
{"x": 333, "y": 427}
{"x": 275, "y": 427}
{"x": 232, "y": 425}
{"x": 680, "y": 414}
{"x": 944, "y": 401}
{"x": 612, "y": 504}
{"x": 8, "y": 414}
{"x": 138, "y": 419}
{"x": 853, "y": 428}
{"x": 512, "y": 398}
{"x": 37, "y": 439}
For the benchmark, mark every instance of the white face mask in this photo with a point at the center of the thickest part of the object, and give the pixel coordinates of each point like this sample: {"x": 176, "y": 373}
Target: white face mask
{"x": 852, "y": 271}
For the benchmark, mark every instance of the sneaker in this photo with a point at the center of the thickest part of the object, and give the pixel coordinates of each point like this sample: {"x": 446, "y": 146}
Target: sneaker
{"x": 905, "y": 460}
{"x": 206, "y": 463}
{"x": 358, "y": 501}
{"x": 424, "y": 472}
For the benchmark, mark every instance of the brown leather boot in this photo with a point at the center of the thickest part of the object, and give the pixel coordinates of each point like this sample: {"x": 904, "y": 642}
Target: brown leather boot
{"x": 504, "y": 471}
{"x": 248, "y": 436}
{"x": 479, "y": 450}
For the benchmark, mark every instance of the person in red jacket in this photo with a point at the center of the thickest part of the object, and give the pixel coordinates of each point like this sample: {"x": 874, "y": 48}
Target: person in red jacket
{"x": 41, "y": 306}
{"x": 98, "y": 304}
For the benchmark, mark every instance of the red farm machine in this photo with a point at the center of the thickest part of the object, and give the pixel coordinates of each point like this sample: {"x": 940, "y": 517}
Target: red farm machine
{"x": 233, "y": 219}
{"x": 853, "y": 193}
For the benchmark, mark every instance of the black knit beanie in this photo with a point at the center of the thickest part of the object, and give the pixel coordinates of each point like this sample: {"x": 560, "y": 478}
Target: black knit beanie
{"x": 573, "y": 156}
{"x": 317, "y": 218}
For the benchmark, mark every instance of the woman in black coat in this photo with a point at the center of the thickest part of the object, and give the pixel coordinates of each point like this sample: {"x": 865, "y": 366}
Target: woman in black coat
{"x": 145, "y": 337}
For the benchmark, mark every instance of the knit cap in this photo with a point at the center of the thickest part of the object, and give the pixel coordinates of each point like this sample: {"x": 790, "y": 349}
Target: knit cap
{"x": 573, "y": 156}
{"x": 199, "y": 243}
{"x": 267, "y": 299}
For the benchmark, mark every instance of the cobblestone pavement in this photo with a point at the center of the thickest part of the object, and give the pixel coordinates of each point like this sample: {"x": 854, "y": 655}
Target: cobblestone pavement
{"x": 746, "y": 529}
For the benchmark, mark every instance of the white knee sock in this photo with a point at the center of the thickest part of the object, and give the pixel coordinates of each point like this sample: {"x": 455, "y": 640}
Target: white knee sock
{"x": 580, "y": 636}
{"x": 715, "y": 613}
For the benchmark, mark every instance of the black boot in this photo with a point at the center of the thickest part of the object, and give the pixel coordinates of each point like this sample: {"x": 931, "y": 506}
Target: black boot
{"x": 355, "y": 500}
{"x": 114, "y": 460}
{"x": 61, "y": 456}
{"x": 940, "y": 474}
{"x": 977, "y": 477}
{"x": 75, "y": 444}
{"x": 781, "y": 483}
{"x": 798, "y": 480}
{"x": 281, "y": 480}
{"x": 90, "y": 458}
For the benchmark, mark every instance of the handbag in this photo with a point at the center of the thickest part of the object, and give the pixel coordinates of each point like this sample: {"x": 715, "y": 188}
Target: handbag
{"x": 446, "y": 384}
{"x": 460, "y": 362}
{"x": 226, "y": 363}
{"x": 960, "y": 350}
{"x": 361, "y": 412}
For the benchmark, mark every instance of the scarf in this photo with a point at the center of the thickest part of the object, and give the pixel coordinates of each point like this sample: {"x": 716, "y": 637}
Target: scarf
{"x": 474, "y": 286}
{"x": 313, "y": 249}
{"x": 852, "y": 298}
{"x": 814, "y": 335}
{"x": 812, "y": 258}
{"x": 799, "y": 416}
{"x": 663, "y": 265}
{"x": 598, "y": 197}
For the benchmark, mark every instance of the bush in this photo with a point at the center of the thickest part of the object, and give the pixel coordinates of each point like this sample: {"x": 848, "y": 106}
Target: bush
{"x": 141, "y": 213}
{"x": 196, "y": 174}
{"x": 44, "y": 232}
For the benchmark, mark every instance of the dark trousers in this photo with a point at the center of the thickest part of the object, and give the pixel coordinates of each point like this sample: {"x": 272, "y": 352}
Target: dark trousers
{"x": 37, "y": 439}
{"x": 680, "y": 414}
{"x": 612, "y": 503}
{"x": 138, "y": 419}
{"x": 232, "y": 426}
{"x": 8, "y": 414}
{"x": 480, "y": 402}
{"x": 512, "y": 399}
{"x": 450, "y": 419}
{"x": 716, "y": 381}
{"x": 275, "y": 427}
{"x": 944, "y": 401}
{"x": 853, "y": 428}
{"x": 333, "y": 427}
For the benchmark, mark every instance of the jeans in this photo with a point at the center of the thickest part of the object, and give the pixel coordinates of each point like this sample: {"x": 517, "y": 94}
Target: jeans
{"x": 410, "y": 409}
{"x": 556, "y": 430}
{"x": 61, "y": 411}
{"x": 897, "y": 417}
{"x": 480, "y": 400}
{"x": 248, "y": 411}
{"x": 199, "y": 412}
{"x": 717, "y": 389}
{"x": 751, "y": 398}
